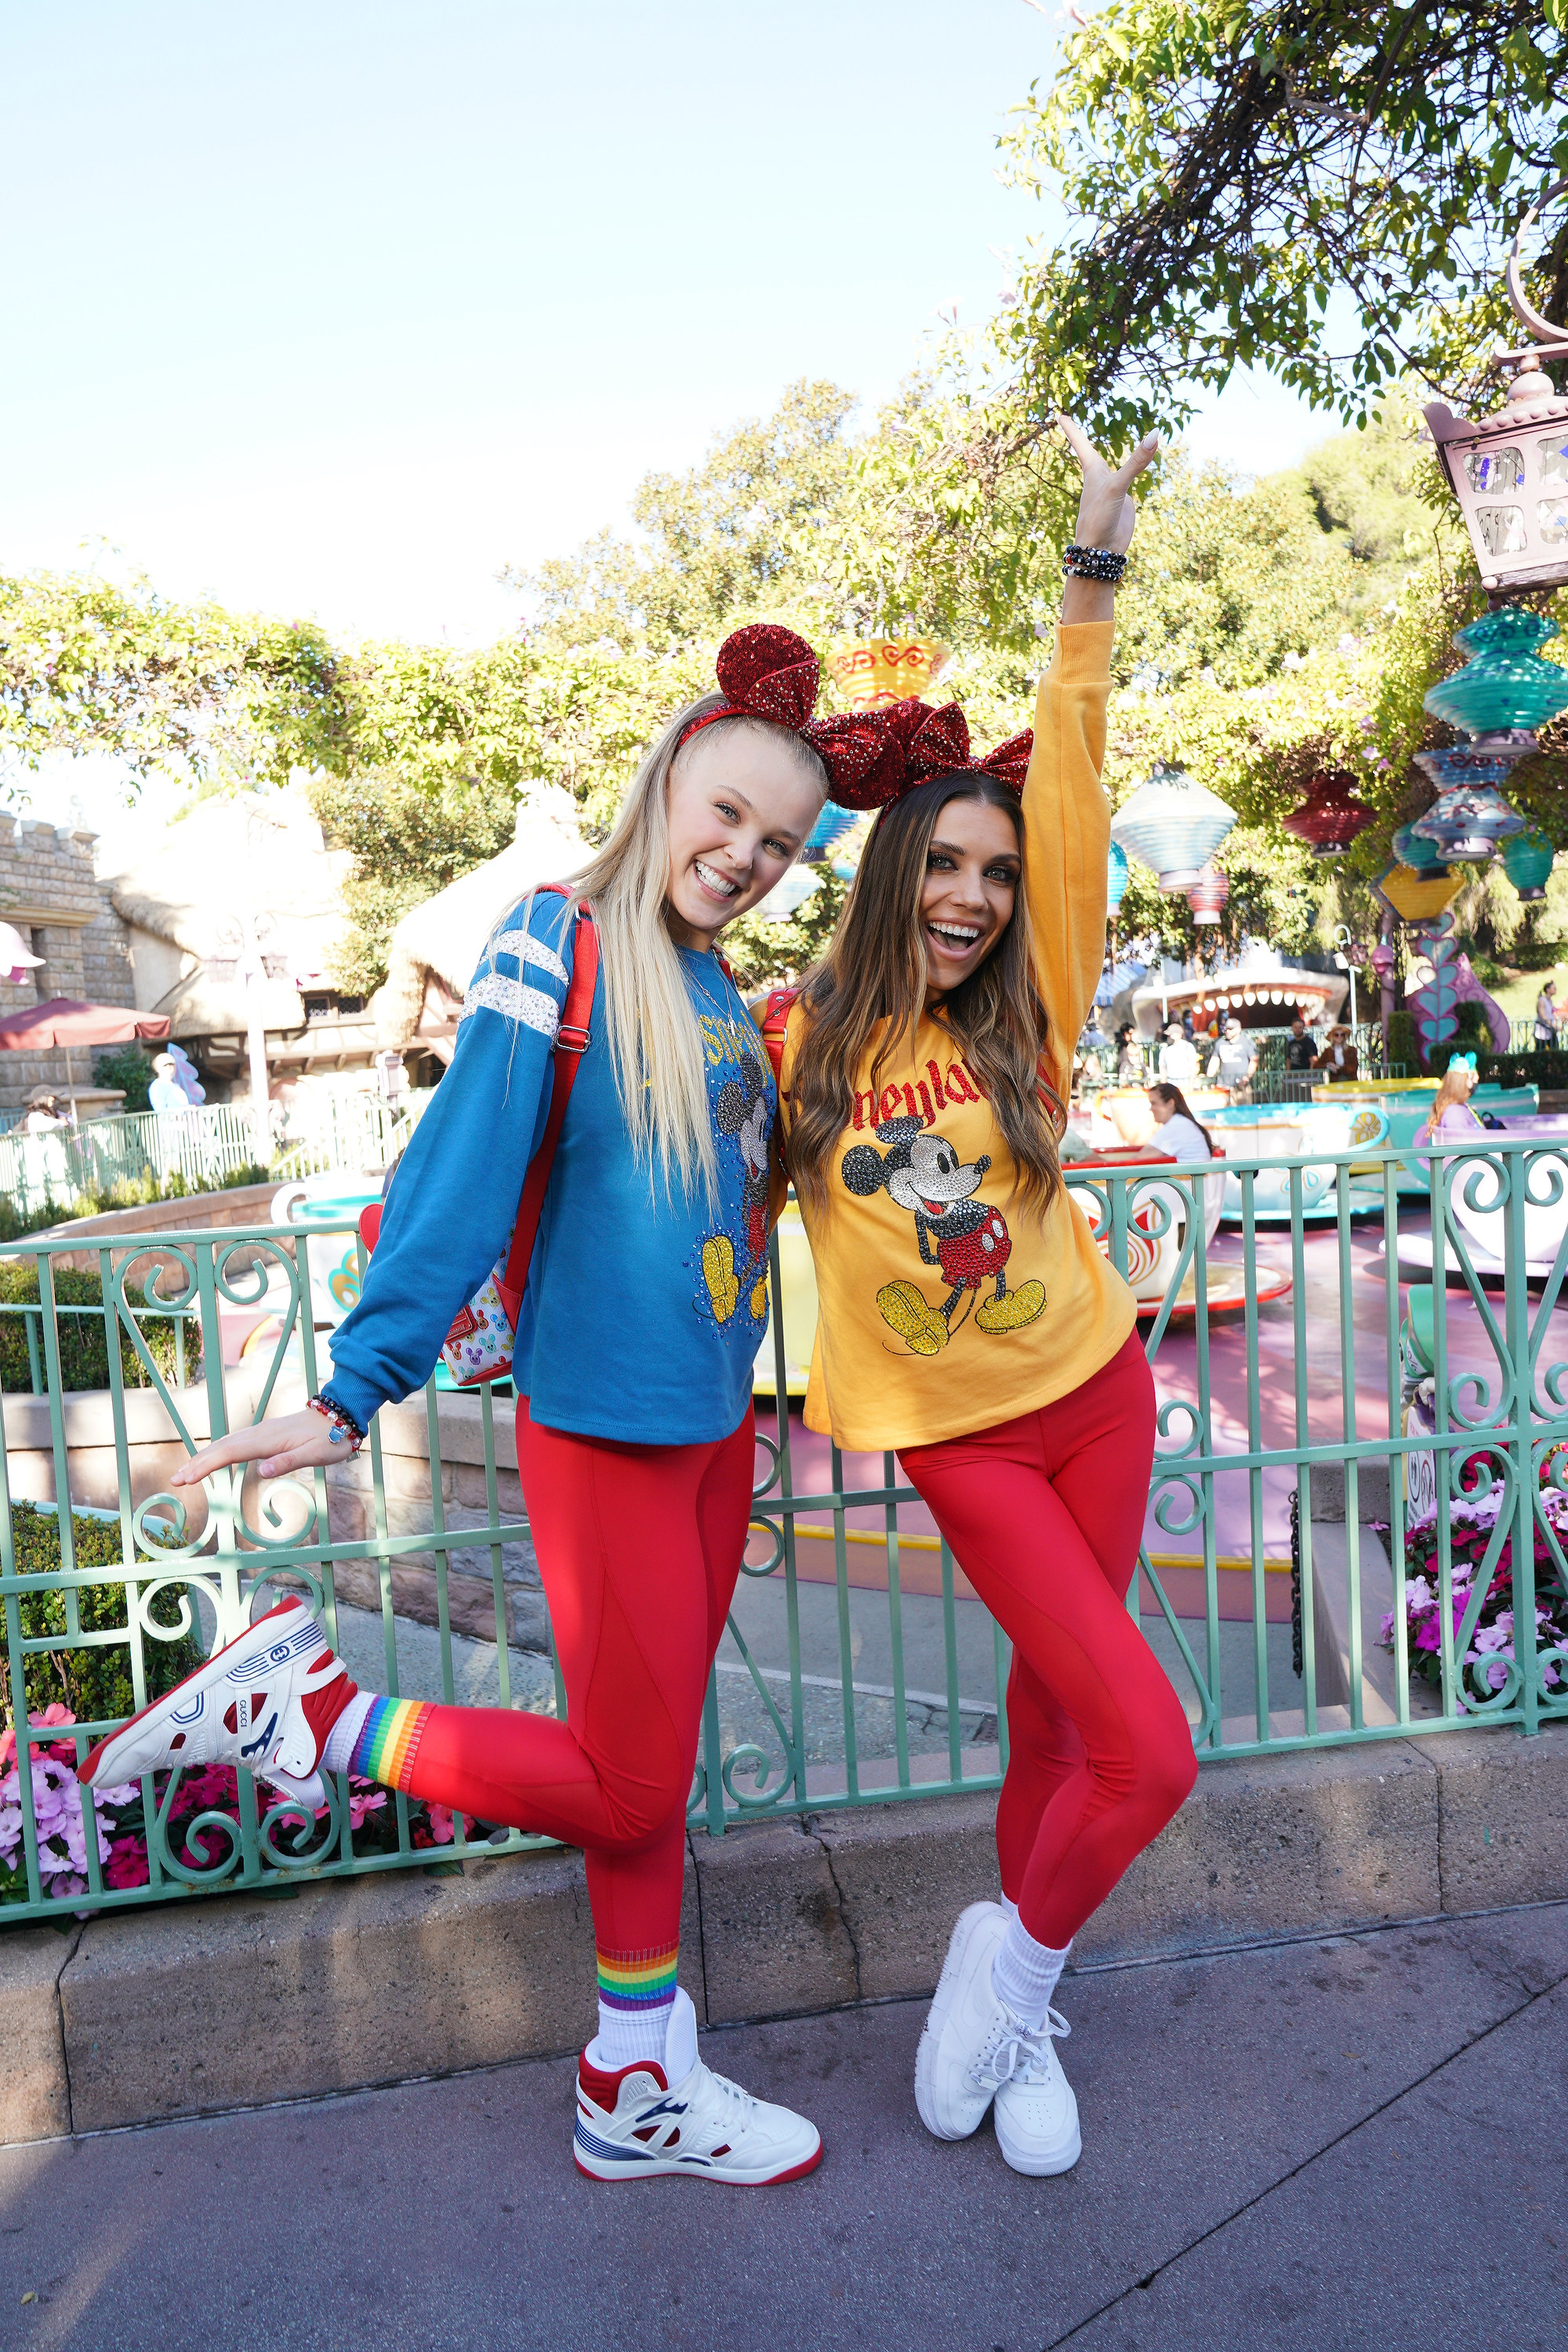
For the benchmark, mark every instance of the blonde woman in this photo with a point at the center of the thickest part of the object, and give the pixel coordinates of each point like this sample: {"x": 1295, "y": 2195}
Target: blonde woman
{"x": 1450, "y": 1118}
{"x": 645, "y": 1300}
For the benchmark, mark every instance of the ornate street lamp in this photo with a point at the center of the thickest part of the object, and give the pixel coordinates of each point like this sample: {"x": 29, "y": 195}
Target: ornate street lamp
{"x": 1509, "y": 472}
{"x": 1172, "y": 825}
{"x": 1330, "y": 815}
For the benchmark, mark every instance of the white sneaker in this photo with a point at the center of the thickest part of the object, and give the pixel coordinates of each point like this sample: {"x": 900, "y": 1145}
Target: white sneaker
{"x": 962, "y": 2024}
{"x": 646, "y": 2120}
{"x": 1036, "y": 2114}
{"x": 245, "y": 1706}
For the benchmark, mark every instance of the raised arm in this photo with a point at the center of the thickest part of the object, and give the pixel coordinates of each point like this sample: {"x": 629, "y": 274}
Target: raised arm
{"x": 1067, "y": 818}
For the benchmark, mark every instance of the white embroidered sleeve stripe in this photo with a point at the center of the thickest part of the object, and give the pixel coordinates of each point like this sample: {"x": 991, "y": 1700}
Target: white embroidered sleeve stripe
{"x": 492, "y": 992}
{"x": 532, "y": 950}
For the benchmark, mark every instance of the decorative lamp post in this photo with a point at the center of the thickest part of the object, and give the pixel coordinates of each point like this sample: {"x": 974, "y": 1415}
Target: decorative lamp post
{"x": 1509, "y": 472}
{"x": 1116, "y": 872}
{"x": 1527, "y": 862}
{"x": 1172, "y": 825}
{"x": 1330, "y": 817}
{"x": 1207, "y": 895}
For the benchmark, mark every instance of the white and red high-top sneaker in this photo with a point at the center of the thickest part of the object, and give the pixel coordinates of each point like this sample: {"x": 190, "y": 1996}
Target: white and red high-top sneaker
{"x": 646, "y": 2120}
{"x": 267, "y": 1700}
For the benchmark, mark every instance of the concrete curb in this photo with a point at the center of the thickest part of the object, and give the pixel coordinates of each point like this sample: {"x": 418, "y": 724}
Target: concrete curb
{"x": 236, "y": 2000}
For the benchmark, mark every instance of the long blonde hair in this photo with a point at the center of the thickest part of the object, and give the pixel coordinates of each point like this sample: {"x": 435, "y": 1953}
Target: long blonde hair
{"x": 655, "y": 1043}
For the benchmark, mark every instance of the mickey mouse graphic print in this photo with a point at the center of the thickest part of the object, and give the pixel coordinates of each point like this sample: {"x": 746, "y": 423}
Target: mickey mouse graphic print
{"x": 964, "y": 1238}
{"x": 948, "y": 1301}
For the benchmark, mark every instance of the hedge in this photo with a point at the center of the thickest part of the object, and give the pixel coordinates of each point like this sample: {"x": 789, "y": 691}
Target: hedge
{"x": 95, "y": 1684}
{"x": 84, "y": 1352}
{"x": 1549, "y": 1069}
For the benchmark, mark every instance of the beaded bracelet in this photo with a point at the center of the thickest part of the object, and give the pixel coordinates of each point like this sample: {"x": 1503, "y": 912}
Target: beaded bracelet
{"x": 1093, "y": 564}
{"x": 346, "y": 1430}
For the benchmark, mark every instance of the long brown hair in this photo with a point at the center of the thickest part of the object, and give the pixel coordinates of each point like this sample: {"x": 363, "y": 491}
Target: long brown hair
{"x": 875, "y": 970}
{"x": 1182, "y": 1109}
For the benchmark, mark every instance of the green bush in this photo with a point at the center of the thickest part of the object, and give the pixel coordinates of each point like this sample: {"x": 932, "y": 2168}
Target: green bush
{"x": 1548, "y": 1069}
{"x": 95, "y": 1684}
{"x": 83, "y": 1347}
{"x": 125, "y": 1192}
{"x": 1537, "y": 955}
{"x": 1404, "y": 1043}
{"x": 126, "y": 1067}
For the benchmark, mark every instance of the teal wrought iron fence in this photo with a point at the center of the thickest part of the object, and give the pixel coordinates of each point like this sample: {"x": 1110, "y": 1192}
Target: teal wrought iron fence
{"x": 1304, "y": 1397}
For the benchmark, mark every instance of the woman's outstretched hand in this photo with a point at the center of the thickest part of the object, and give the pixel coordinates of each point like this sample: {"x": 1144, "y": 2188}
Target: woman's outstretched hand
{"x": 294, "y": 1441}
{"x": 1106, "y": 515}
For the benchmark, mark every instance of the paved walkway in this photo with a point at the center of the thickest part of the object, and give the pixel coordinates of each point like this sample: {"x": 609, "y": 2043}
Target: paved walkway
{"x": 1348, "y": 2143}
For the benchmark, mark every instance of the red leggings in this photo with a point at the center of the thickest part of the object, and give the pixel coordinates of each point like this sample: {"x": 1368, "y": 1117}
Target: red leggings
{"x": 639, "y": 1547}
{"x": 1045, "y": 1515}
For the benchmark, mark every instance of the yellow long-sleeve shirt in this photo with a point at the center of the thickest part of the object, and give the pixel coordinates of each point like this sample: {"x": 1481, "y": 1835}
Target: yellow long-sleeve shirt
{"x": 1033, "y": 1308}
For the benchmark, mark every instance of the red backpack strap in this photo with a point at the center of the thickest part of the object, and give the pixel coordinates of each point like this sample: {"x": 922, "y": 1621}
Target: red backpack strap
{"x": 774, "y": 1026}
{"x": 571, "y": 1042}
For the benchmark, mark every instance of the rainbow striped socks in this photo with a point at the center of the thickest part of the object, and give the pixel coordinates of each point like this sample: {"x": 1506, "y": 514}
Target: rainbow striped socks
{"x": 636, "y": 1993}
{"x": 377, "y": 1738}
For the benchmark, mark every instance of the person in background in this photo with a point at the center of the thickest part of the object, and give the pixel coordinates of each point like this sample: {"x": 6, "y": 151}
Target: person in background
{"x": 1178, "y": 1057}
{"x": 1234, "y": 1060}
{"x": 44, "y": 1113}
{"x": 1299, "y": 1047}
{"x": 1128, "y": 1057}
{"x": 167, "y": 1096}
{"x": 1450, "y": 1118}
{"x": 1181, "y": 1134}
{"x": 1338, "y": 1058}
{"x": 1546, "y": 1014}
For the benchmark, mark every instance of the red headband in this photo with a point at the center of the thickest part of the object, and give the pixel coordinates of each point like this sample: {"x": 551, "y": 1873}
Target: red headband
{"x": 923, "y": 743}
{"x": 767, "y": 672}
{"x": 872, "y": 757}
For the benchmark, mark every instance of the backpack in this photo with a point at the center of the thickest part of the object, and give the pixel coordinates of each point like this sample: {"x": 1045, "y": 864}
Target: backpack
{"x": 478, "y": 1346}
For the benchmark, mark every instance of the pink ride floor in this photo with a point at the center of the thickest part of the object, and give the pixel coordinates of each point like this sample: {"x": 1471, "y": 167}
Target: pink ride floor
{"x": 1331, "y": 1416}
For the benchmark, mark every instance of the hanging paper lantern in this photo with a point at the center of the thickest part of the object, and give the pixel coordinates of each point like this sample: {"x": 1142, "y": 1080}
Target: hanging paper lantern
{"x": 1172, "y": 825}
{"x": 1469, "y": 825}
{"x": 832, "y": 825}
{"x": 1414, "y": 850}
{"x": 1116, "y": 872}
{"x": 878, "y": 672}
{"x": 1527, "y": 862}
{"x": 1207, "y": 895}
{"x": 1330, "y": 815}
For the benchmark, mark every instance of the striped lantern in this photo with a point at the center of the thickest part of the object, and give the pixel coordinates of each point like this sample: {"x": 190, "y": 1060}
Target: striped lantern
{"x": 1116, "y": 872}
{"x": 1172, "y": 825}
{"x": 1527, "y": 862}
{"x": 1207, "y": 895}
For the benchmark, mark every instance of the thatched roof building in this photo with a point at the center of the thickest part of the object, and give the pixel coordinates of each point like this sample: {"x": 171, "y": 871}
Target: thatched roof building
{"x": 436, "y": 945}
{"x": 250, "y": 861}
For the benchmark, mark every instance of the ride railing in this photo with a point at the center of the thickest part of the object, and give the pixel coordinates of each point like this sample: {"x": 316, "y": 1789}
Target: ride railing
{"x": 1313, "y": 1415}
{"x": 202, "y": 1145}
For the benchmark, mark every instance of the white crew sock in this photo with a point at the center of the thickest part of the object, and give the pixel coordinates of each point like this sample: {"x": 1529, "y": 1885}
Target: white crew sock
{"x": 1024, "y": 1974}
{"x": 338, "y": 1753}
{"x": 1010, "y": 1908}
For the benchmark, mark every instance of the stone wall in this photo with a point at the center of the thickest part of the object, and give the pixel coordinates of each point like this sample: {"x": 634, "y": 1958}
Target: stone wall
{"x": 47, "y": 886}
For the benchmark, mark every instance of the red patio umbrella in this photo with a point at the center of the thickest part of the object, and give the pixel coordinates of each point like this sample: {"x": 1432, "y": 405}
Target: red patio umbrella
{"x": 64, "y": 1022}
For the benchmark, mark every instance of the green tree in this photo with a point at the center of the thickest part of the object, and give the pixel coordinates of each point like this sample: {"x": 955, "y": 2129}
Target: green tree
{"x": 1229, "y": 170}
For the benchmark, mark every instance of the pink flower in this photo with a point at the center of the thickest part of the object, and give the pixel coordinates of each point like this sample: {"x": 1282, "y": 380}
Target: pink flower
{"x": 441, "y": 1823}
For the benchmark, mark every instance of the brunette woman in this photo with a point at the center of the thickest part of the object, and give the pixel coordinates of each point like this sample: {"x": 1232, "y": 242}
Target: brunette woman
{"x": 969, "y": 1320}
{"x": 644, "y": 1302}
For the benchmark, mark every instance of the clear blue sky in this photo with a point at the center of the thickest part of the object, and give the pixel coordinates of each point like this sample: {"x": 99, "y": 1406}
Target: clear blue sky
{"x": 337, "y": 306}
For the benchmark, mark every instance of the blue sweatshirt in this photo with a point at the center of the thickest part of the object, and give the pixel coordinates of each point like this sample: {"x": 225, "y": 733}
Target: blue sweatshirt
{"x": 642, "y": 1308}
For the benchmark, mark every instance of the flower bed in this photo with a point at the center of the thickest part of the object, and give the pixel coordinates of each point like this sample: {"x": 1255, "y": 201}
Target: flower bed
{"x": 121, "y": 1824}
{"x": 1472, "y": 1524}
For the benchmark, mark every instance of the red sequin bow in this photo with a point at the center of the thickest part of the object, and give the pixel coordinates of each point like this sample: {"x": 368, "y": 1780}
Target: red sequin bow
{"x": 767, "y": 672}
{"x": 920, "y": 743}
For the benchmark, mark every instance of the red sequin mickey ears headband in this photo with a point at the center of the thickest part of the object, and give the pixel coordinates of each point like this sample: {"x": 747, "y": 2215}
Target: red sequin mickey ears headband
{"x": 923, "y": 743}
{"x": 766, "y": 672}
{"x": 872, "y": 757}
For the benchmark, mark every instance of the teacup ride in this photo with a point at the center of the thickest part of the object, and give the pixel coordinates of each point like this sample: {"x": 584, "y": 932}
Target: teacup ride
{"x": 1479, "y": 1193}
{"x": 1158, "y": 1217}
{"x": 1309, "y": 1133}
{"x": 1121, "y": 1116}
{"x": 1405, "y": 1103}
